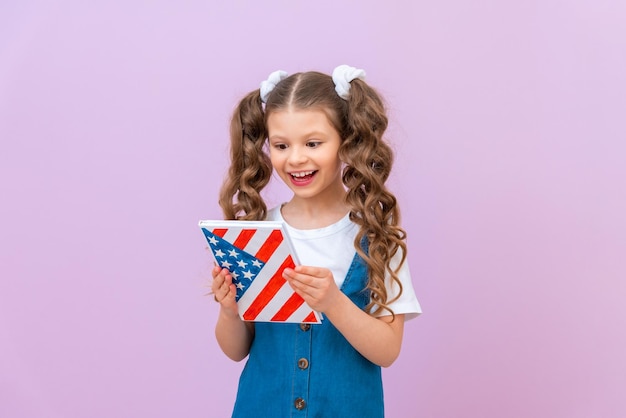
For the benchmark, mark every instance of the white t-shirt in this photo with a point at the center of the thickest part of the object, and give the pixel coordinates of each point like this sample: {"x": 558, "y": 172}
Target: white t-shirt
{"x": 332, "y": 247}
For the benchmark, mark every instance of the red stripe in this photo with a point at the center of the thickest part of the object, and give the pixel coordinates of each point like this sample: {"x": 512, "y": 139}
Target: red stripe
{"x": 269, "y": 291}
{"x": 288, "y": 308}
{"x": 220, "y": 232}
{"x": 269, "y": 246}
{"x": 244, "y": 237}
{"x": 310, "y": 318}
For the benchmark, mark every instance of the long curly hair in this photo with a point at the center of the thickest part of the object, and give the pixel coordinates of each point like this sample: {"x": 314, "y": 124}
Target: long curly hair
{"x": 361, "y": 121}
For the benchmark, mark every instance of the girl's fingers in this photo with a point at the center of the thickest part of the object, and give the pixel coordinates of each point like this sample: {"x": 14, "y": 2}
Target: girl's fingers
{"x": 223, "y": 287}
{"x": 217, "y": 270}
{"x": 311, "y": 271}
{"x": 293, "y": 276}
{"x": 304, "y": 279}
{"x": 221, "y": 277}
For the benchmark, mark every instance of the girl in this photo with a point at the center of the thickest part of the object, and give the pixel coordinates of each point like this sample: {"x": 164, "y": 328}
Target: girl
{"x": 323, "y": 137}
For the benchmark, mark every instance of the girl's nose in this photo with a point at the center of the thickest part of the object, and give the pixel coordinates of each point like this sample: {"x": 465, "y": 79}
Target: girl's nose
{"x": 297, "y": 155}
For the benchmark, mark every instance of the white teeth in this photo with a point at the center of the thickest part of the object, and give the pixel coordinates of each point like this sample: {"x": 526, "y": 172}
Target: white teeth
{"x": 302, "y": 174}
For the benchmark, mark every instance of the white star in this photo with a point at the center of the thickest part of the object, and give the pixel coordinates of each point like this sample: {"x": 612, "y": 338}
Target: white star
{"x": 212, "y": 240}
{"x": 226, "y": 264}
{"x": 233, "y": 253}
{"x": 256, "y": 264}
{"x": 242, "y": 263}
{"x": 248, "y": 275}
{"x": 240, "y": 286}
{"x": 234, "y": 274}
{"x": 219, "y": 253}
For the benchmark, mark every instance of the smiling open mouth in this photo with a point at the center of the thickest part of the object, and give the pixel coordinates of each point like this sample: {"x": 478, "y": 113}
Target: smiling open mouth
{"x": 302, "y": 176}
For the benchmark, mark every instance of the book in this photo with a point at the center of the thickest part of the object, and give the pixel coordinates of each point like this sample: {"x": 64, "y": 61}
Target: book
{"x": 256, "y": 253}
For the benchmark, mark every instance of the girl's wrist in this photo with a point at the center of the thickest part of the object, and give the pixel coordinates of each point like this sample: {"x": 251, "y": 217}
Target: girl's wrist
{"x": 337, "y": 306}
{"x": 229, "y": 315}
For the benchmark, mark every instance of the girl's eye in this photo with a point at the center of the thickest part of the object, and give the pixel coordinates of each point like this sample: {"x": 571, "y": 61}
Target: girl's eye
{"x": 313, "y": 144}
{"x": 280, "y": 146}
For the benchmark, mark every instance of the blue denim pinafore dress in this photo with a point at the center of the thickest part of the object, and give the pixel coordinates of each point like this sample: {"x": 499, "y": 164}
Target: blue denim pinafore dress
{"x": 301, "y": 370}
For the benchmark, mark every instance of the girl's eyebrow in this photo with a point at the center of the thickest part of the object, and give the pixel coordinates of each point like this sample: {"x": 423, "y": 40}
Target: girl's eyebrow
{"x": 307, "y": 135}
{"x": 316, "y": 134}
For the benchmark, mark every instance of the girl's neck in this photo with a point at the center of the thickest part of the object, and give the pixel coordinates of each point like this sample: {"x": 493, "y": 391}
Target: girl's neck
{"x": 300, "y": 214}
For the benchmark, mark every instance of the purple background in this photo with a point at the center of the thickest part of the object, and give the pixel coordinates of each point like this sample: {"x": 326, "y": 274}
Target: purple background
{"x": 509, "y": 123}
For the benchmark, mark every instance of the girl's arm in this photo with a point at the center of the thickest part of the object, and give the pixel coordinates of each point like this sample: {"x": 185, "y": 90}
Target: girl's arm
{"x": 233, "y": 335}
{"x": 377, "y": 339}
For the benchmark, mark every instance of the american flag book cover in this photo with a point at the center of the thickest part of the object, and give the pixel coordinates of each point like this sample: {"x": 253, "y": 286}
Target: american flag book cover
{"x": 256, "y": 253}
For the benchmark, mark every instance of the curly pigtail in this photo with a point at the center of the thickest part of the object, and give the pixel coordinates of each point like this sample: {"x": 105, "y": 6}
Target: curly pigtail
{"x": 250, "y": 168}
{"x": 368, "y": 165}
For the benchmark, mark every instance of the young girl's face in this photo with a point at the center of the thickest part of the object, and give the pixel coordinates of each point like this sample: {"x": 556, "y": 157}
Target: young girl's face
{"x": 304, "y": 150}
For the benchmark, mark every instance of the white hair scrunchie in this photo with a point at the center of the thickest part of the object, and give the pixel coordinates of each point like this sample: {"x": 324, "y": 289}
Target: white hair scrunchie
{"x": 342, "y": 76}
{"x": 268, "y": 85}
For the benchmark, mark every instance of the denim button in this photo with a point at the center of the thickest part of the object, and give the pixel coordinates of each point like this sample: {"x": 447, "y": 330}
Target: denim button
{"x": 305, "y": 327}
{"x": 303, "y": 363}
{"x": 299, "y": 404}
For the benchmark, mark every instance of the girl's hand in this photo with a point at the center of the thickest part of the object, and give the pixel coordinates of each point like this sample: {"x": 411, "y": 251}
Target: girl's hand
{"x": 316, "y": 285}
{"x": 224, "y": 290}
{"x": 233, "y": 335}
